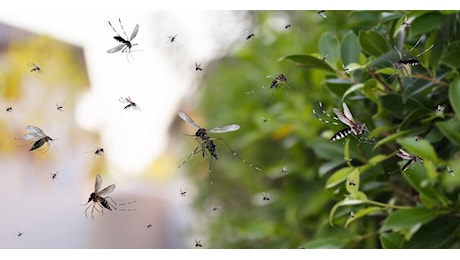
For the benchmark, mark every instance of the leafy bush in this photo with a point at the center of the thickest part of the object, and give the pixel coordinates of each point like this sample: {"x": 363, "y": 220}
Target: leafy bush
{"x": 351, "y": 193}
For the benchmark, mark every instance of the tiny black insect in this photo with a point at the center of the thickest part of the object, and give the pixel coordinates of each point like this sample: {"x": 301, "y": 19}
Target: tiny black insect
{"x": 130, "y": 103}
{"x": 35, "y": 68}
{"x": 198, "y": 66}
{"x": 39, "y": 137}
{"x": 249, "y": 35}
{"x": 126, "y": 43}
{"x": 172, "y": 38}
{"x": 265, "y": 196}
{"x": 198, "y": 243}
{"x": 287, "y": 26}
{"x": 278, "y": 80}
{"x": 322, "y": 13}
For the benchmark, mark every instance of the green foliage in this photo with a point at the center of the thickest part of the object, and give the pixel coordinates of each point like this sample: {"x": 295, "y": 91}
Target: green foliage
{"x": 351, "y": 193}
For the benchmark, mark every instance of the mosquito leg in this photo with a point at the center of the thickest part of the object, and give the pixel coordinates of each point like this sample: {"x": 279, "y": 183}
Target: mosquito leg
{"x": 119, "y": 20}
{"x": 236, "y": 155}
{"x": 114, "y": 29}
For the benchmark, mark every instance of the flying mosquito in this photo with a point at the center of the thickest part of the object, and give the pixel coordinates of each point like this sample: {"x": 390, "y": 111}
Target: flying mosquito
{"x": 407, "y": 156}
{"x": 60, "y": 107}
{"x": 9, "y": 109}
{"x": 129, "y": 102}
{"x": 284, "y": 171}
{"x": 450, "y": 171}
{"x": 98, "y": 152}
{"x": 249, "y": 35}
{"x": 265, "y": 196}
{"x": 39, "y": 137}
{"x": 149, "y": 225}
{"x": 97, "y": 198}
{"x": 34, "y": 67}
{"x": 198, "y": 66}
{"x": 183, "y": 193}
{"x": 53, "y": 175}
{"x": 206, "y": 142}
{"x": 198, "y": 243}
{"x": 355, "y": 128}
{"x": 351, "y": 182}
{"x": 126, "y": 43}
{"x": 322, "y": 13}
{"x": 405, "y": 64}
{"x": 287, "y": 26}
{"x": 280, "y": 79}
{"x": 20, "y": 234}
{"x": 215, "y": 208}
{"x": 172, "y": 39}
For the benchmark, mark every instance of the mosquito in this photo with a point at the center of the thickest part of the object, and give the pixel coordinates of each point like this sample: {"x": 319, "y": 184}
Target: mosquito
{"x": 206, "y": 142}
{"x": 265, "y": 196}
{"x": 351, "y": 182}
{"x": 53, "y": 175}
{"x": 249, "y": 35}
{"x": 172, "y": 39}
{"x": 215, "y": 208}
{"x": 323, "y": 59}
{"x": 39, "y": 137}
{"x": 20, "y": 233}
{"x": 9, "y": 109}
{"x": 198, "y": 66}
{"x": 280, "y": 79}
{"x": 284, "y": 171}
{"x": 183, "y": 193}
{"x": 35, "y": 67}
{"x": 126, "y": 43}
{"x": 450, "y": 171}
{"x": 351, "y": 214}
{"x": 287, "y": 26}
{"x": 407, "y": 156}
{"x": 322, "y": 13}
{"x": 149, "y": 225}
{"x": 129, "y": 102}
{"x": 353, "y": 127}
{"x": 198, "y": 243}
{"x": 60, "y": 107}
{"x": 405, "y": 64}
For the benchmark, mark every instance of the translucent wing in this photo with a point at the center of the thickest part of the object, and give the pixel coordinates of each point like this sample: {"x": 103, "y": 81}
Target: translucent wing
{"x": 116, "y": 48}
{"x": 223, "y": 129}
{"x": 347, "y": 112}
{"x": 187, "y": 119}
{"x": 32, "y": 136}
{"x": 34, "y": 129}
{"x": 97, "y": 185}
{"x": 343, "y": 118}
{"x": 404, "y": 155}
{"x": 107, "y": 189}
{"x": 134, "y": 33}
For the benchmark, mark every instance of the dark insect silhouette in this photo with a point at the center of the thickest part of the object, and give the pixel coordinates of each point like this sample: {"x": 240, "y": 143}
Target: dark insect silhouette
{"x": 53, "y": 175}
{"x": 35, "y": 68}
{"x": 172, "y": 39}
{"x": 198, "y": 66}
{"x": 149, "y": 225}
{"x": 405, "y": 64}
{"x": 97, "y": 198}
{"x": 249, "y": 35}
{"x": 183, "y": 193}
{"x": 130, "y": 103}
{"x": 407, "y": 156}
{"x": 20, "y": 234}
{"x": 322, "y": 13}
{"x": 287, "y": 26}
{"x": 60, "y": 107}
{"x": 9, "y": 109}
{"x": 265, "y": 196}
{"x": 126, "y": 43}
{"x": 198, "y": 243}
{"x": 206, "y": 142}
{"x": 284, "y": 171}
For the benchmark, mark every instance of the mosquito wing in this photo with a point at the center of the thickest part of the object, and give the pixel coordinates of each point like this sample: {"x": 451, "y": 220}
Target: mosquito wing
{"x": 134, "y": 33}
{"x": 347, "y": 112}
{"x": 343, "y": 118}
{"x": 223, "y": 129}
{"x": 404, "y": 155}
{"x": 106, "y": 190}
{"x": 97, "y": 185}
{"x": 34, "y": 129}
{"x": 116, "y": 48}
{"x": 187, "y": 119}
{"x": 30, "y": 136}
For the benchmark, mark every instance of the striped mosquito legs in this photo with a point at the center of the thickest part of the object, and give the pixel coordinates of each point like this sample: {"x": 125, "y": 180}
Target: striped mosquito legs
{"x": 332, "y": 119}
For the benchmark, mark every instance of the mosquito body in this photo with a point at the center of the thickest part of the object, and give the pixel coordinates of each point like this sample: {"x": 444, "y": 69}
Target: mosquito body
{"x": 351, "y": 182}
{"x": 206, "y": 142}
{"x": 322, "y": 13}
{"x": 284, "y": 171}
{"x": 183, "y": 193}
{"x": 35, "y": 68}
{"x": 287, "y": 26}
{"x": 53, "y": 175}
{"x": 20, "y": 234}
{"x": 407, "y": 156}
{"x": 129, "y": 102}
{"x": 353, "y": 127}
{"x": 198, "y": 66}
{"x": 278, "y": 80}
{"x": 39, "y": 137}
{"x": 265, "y": 196}
{"x": 249, "y": 35}
{"x": 149, "y": 225}
{"x": 198, "y": 243}
{"x": 98, "y": 199}
{"x": 172, "y": 39}
{"x": 125, "y": 43}
{"x": 60, "y": 107}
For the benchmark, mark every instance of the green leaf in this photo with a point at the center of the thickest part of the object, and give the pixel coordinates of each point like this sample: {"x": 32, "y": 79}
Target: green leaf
{"x": 373, "y": 43}
{"x": 329, "y": 46}
{"x": 454, "y": 97}
{"x": 352, "y": 89}
{"x": 440, "y": 231}
{"x": 345, "y": 202}
{"x": 426, "y": 23}
{"x": 391, "y": 240}
{"x": 325, "y": 243}
{"x": 338, "y": 177}
{"x": 421, "y": 148}
{"x": 350, "y": 49}
{"x": 308, "y": 61}
{"x": 408, "y": 220}
{"x": 393, "y": 137}
{"x": 450, "y": 129}
{"x": 362, "y": 213}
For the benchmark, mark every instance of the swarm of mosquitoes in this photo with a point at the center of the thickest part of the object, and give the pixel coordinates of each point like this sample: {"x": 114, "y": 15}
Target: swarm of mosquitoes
{"x": 99, "y": 199}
